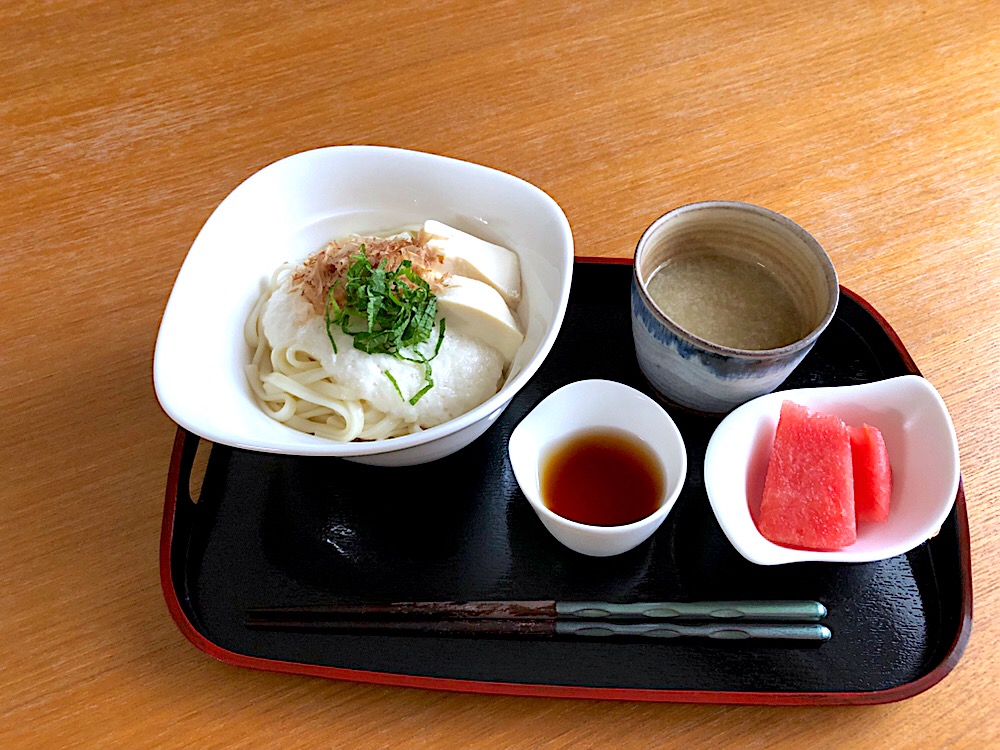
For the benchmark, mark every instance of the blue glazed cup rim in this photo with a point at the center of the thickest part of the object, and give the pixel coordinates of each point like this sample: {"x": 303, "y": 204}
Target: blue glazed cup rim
{"x": 749, "y": 354}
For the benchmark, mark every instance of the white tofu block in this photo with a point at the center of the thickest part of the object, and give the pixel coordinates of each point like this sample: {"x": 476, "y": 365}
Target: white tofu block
{"x": 477, "y": 309}
{"x": 465, "y": 255}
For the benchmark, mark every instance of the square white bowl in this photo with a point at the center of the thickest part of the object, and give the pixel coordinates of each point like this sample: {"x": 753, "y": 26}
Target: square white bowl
{"x": 919, "y": 438}
{"x": 291, "y": 209}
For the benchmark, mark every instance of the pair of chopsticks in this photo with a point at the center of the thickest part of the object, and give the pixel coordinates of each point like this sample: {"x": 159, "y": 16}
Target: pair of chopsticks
{"x": 732, "y": 620}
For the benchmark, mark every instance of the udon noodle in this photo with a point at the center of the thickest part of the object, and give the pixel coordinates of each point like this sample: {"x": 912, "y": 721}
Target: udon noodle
{"x": 298, "y": 379}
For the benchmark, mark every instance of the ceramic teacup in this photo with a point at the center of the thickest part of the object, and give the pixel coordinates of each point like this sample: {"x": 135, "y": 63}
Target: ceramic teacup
{"x": 698, "y": 373}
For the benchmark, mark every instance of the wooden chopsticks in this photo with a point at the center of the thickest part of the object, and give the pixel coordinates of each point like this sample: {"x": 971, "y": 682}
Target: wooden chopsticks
{"x": 728, "y": 620}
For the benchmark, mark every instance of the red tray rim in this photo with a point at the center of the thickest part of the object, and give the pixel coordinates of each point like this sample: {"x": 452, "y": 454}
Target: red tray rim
{"x": 540, "y": 690}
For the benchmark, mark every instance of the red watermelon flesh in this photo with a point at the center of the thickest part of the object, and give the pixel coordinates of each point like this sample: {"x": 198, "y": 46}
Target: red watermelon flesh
{"x": 872, "y": 474}
{"x": 808, "y": 497}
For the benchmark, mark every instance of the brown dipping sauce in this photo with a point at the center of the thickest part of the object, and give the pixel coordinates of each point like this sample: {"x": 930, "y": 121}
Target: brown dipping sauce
{"x": 602, "y": 477}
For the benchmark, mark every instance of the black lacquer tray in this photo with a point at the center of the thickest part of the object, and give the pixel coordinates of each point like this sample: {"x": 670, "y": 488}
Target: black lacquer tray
{"x": 280, "y": 530}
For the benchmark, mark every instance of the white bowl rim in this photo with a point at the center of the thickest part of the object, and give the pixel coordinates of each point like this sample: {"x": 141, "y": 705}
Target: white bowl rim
{"x": 654, "y": 517}
{"x": 496, "y": 402}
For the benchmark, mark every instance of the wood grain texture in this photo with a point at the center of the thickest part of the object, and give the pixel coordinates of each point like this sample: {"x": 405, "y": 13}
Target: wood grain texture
{"x": 875, "y": 127}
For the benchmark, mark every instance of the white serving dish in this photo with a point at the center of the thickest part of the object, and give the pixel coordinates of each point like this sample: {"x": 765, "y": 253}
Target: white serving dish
{"x": 923, "y": 453}
{"x": 294, "y": 207}
{"x": 584, "y": 405}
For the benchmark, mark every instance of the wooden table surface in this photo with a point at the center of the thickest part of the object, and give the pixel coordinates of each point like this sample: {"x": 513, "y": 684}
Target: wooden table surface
{"x": 124, "y": 125}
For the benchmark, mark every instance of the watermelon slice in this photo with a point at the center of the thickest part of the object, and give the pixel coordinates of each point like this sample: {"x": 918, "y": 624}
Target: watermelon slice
{"x": 872, "y": 474}
{"x": 808, "y": 497}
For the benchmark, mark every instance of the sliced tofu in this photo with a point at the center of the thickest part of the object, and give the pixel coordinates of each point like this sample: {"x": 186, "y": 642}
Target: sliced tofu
{"x": 465, "y": 255}
{"x": 476, "y": 309}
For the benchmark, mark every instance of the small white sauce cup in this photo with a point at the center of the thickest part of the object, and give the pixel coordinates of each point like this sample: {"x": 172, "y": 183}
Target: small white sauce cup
{"x": 586, "y": 405}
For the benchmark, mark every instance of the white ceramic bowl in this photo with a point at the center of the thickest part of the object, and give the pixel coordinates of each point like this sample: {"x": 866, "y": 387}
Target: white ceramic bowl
{"x": 584, "y": 405}
{"x": 293, "y": 208}
{"x": 923, "y": 453}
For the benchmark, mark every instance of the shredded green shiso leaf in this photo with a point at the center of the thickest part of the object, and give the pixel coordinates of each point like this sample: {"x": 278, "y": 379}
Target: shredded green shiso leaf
{"x": 395, "y": 309}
